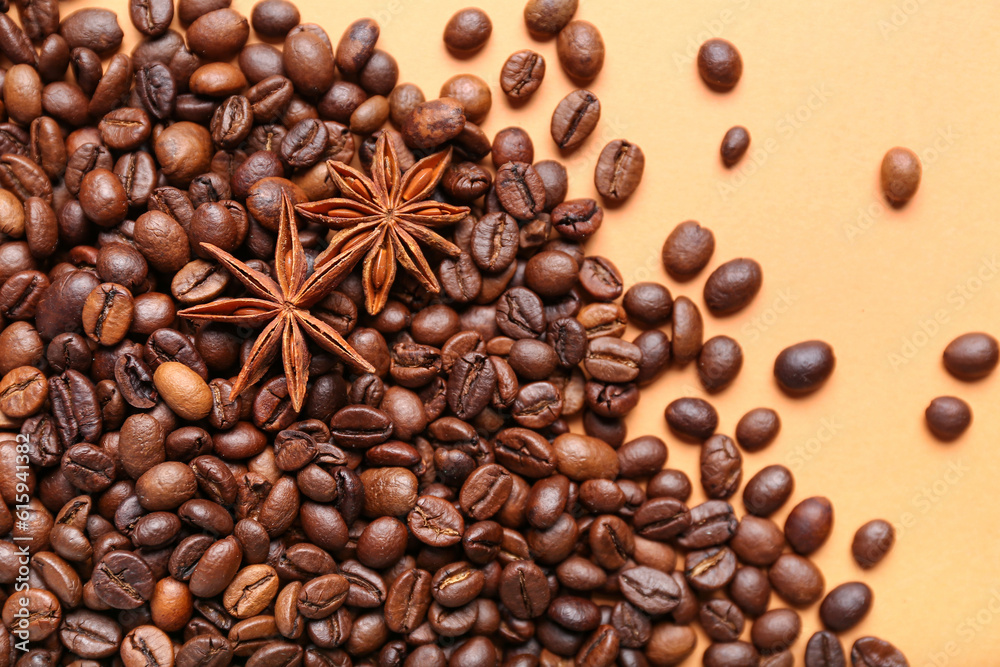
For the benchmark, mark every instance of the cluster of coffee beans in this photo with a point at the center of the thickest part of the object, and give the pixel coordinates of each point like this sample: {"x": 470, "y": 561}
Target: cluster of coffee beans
{"x": 970, "y": 357}
{"x": 438, "y": 511}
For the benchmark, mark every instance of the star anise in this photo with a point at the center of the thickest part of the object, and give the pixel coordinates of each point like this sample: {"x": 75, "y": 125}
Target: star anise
{"x": 386, "y": 216}
{"x": 284, "y": 307}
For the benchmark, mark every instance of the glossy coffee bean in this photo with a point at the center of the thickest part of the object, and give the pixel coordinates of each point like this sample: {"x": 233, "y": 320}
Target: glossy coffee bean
{"x": 972, "y": 356}
{"x": 719, "y": 64}
{"x": 845, "y": 606}
{"x": 803, "y": 368}
{"x": 948, "y": 417}
{"x": 900, "y": 175}
{"x": 809, "y": 524}
{"x": 872, "y": 542}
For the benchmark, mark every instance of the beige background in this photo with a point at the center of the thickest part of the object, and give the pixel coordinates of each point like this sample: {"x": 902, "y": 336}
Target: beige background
{"x": 827, "y": 88}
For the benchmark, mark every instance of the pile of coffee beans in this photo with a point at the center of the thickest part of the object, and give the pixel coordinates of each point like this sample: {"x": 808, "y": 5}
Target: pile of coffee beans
{"x": 437, "y": 511}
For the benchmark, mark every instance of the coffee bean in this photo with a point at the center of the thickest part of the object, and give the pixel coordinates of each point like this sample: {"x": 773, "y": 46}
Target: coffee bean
{"x": 732, "y": 286}
{"x": 809, "y": 524}
{"x": 574, "y": 118}
{"x": 710, "y": 569}
{"x": 824, "y": 650}
{"x": 845, "y": 606}
{"x": 523, "y": 590}
{"x": 94, "y": 28}
{"x": 147, "y": 645}
{"x": 577, "y": 219}
{"x": 901, "y": 171}
{"x": 797, "y": 580}
{"x": 467, "y": 30}
{"x": 719, "y": 363}
{"x": 750, "y": 590}
{"x": 122, "y": 580}
{"x": 757, "y": 429}
{"x": 768, "y": 490}
{"x": 722, "y": 620}
{"x": 776, "y": 630}
{"x": 948, "y": 417}
{"x": 972, "y": 356}
{"x": 734, "y": 145}
{"x": 218, "y": 35}
{"x": 619, "y": 170}
{"x": 719, "y": 64}
{"x": 721, "y": 467}
{"x": 687, "y": 250}
{"x": 554, "y": 178}
{"x": 731, "y": 654}
{"x": 874, "y": 652}
{"x": 600, "y": 279}
{"x": 692, "y": 418}
{"x": 274, "y": 18}
{"x": 90, "y": 635}
{"x": 802, "y": 368}
{"x": 872, "y": 542}
{"x": 151, "y": 17}
{"x": 107, "y": 314}
{"x": 687, "y": 331}
{"x": 522, "y": 74}
{"x": 581, "y": 50}
{"x": 581, "y": 457}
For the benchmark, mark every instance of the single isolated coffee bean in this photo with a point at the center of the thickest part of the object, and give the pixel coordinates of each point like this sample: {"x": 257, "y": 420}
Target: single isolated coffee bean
{"x": 757, "y": 429}
{"x": 619, "y": 170}
{"x": 872, "y": 542}
{"x": 580, "y": 48}
{"x": 901, "y": 173}
{"x": 948, "y": 417}
{"x": 802, "y": 368}
{"x": 574, "y": 118}
{"x": 809, "y": 524}
{"x": 732, "y": 286}
{"x": 972, "y": 356}
{"x": 720, "y": 64}
{"x": 734, "y": 145}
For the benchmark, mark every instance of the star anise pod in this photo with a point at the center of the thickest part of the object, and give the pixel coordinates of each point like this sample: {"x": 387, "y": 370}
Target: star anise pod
{"x": 284, "y": 307}
{"x": 387, "y": 216}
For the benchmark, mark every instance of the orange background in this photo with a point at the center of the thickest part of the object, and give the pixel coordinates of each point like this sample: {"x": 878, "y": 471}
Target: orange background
{"x": 827, "y": 88}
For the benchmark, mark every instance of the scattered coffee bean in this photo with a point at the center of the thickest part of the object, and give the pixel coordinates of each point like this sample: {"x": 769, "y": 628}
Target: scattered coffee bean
{"x": 581, "y": 50}
{"x": 901, "y": 173}
{"x": 468, "y": 30}
{"x": 972, "y": 356}
{"x": 734, "y": 145}
{"x": 872, "y": 542}
{"x": 803, "y": 368}
{"x": 719, "y": 64}
{"x": 948, "y": 417}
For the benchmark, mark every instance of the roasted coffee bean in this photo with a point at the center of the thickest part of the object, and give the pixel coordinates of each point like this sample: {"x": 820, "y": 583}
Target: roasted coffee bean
{"x": 467, "y": 30}
{"x": 14, "y": 43}
{"x": 710, "y": 569}
{"x": 574, "y": 119}
{"x": 757, "y": 541}
{"x": 520, "y": 190}
{"x": 972, "y": 356}
{"x": 757, "y": 429}
{"x": 692, "y": 418}
{"x": 734, "y": 145}
{"x": 901, "y": 171}
{"x": 24, "y": 178}
{"x": 872, "y": 542}
{"x": 948, "y": 417}
{"x": 824, "y": 650}
{"x": 750, "y": 590}
{"x": 600, "y": 279}
{"x": 722, "y": 620}
{"x": 719, "y": 362}
{"x": 687, "y": 250}
{"x": 485, "y": 491}
{"x": 107, "y": 314}
{"x": 721, "y": 467}
{"x": 845, "y": 606}
{"x": 122, "y": 580}
{"x": 581, "y": 50}
{"x": 719, "y": 64}
{"x": 874, "y": 652}
{"x": 804, "y": 367}
{"x": 520, "y": 314}
{"x": 468, "y": 89}
{"x": 732, "y": 286}
{"x": 809, "y": 524}
{"x": 648, "y": 303}
{"x": 433, "y": 123}
{"x": 768, "y": 490}
{"x": 274, "y": 18}
{"x": 524, "y": 590}
{"x": 494, "y": 241}
{"x": 522, "y": 74}
{"x": 797, "y": 580}
{"x": 577, "y": 219}
{"x": 775, "y": 630}
{"x": 619, "y": 170}
{"x": 151, "y": 17}
{"x": 669, "y": 484}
